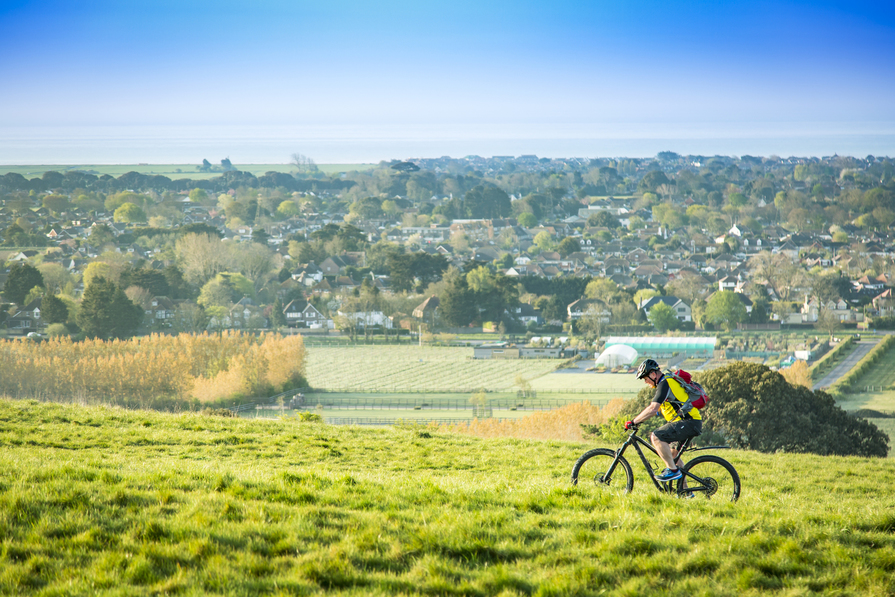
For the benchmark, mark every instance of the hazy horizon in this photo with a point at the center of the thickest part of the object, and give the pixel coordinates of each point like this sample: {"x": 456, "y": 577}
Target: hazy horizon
{"x": 347, "y": 81}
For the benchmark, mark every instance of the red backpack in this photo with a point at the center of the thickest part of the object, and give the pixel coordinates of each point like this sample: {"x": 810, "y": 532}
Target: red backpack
{"x": 696, "y": 396}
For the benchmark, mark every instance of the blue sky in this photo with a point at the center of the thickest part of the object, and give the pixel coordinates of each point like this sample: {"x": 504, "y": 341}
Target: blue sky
{"x": 512, "y": 68}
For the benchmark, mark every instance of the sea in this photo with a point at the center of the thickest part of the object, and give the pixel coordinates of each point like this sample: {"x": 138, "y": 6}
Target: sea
{"x": 364, "y": 143}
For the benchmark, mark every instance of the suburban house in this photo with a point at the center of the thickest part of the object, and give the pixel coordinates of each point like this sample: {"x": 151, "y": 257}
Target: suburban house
{"x": 302, "y": 314}
{"x": 584, "y": 306}
{"x": 681, "y": 309}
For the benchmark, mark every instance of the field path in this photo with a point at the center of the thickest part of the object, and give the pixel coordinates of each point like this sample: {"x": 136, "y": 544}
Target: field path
{"x": 862, "y": 348}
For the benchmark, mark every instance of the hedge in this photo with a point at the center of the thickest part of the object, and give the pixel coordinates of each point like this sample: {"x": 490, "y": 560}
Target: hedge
{"x": 844, "y": 385}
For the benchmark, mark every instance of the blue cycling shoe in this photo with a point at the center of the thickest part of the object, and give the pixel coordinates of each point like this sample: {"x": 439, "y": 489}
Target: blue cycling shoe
{"x": 669, "y": 475}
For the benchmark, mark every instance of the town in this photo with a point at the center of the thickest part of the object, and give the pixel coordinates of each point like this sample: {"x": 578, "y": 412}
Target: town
{"x": 524, "y": 246}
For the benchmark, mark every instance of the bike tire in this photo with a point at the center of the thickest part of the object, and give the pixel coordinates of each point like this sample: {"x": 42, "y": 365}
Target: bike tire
{"x": 712, "y": 478}
{"x": 593, "y": 466}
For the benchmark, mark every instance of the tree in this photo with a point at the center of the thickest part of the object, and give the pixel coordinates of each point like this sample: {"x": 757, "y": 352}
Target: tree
{"x": 288, "y": 209}
{"x": 687, "y": 286}
{"x": 100, "y": 235}
{"x": 199, "y": 196}
{"x": 56, "y": 203}
{"x": 153, "y": 281}
{"x": 277, "y": 317}
{"x": 53, "y": 309}
{"x": 129, "y": 213}
{"x": 592, "y": 321}
{"x": 827, "y": 321}
{"x": 726, "y": 309}
{"x": 663, "y": 318}
{"x": 778, "y": 271}
{"x": 55, "y": 277}
{"x": 22, "y": 278}
{"x": 457, "y": 302}
{"x": 201, "y": 257}
{"x": 603, "y": 219}
{"x": 797, "y": 374}
{"x": 255, "y": 262}
{"x": 487, "y": 201}
{"x": 106, "y": 312}
{"x": 568, "y": 245}
{"x": 543, "y": 240}
{"x": 527, "y": 220}
{"x": 189, "y": 318}
{"x": 601, "y": 288}
{"x": 303, "y": 163}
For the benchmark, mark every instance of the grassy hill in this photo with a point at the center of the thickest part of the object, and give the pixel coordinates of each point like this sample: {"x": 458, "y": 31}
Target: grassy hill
{"x": 109, "y": 501}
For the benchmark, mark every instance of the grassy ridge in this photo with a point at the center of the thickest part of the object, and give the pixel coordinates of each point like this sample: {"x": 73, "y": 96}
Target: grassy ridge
{"x": 108, "y": 501}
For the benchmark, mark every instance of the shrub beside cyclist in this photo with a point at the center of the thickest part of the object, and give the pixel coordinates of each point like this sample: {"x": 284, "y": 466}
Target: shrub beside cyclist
{"x": 669, "y": 397}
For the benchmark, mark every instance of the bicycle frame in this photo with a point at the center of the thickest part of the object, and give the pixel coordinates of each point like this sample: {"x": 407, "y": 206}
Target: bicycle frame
{"x": 636, "y": 441}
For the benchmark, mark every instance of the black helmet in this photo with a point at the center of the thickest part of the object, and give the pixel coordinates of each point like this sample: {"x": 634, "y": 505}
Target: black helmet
{"x": 646, "y": 366}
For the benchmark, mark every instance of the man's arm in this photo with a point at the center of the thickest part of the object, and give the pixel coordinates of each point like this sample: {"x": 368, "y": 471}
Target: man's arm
{"x": 650, "y": 411}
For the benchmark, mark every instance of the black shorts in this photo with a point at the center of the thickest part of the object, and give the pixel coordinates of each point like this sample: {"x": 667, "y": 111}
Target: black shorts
{"x": 679, "y": 431}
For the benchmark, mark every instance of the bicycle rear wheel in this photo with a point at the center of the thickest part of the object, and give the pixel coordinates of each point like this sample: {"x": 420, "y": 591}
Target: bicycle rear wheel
{"x": 710, "y": 477}
{"x": 593, "y": 471}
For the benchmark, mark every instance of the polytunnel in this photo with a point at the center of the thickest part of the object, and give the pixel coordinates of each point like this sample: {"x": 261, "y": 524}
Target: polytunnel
{"x": 617, "y": 355}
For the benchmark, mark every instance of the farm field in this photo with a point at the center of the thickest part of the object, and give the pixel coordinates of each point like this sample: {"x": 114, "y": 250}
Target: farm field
{"x": 612, "y": 383}
{"x": 415, "y": 369}
{"x": 172, "y": 171}
{"x": 387, "y": 377}
{"x": 883, "y": 401}
{"x": 108, "y": 501}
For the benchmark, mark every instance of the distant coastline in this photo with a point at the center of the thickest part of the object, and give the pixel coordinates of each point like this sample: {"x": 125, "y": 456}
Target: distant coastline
{"x": 372, "y": 144}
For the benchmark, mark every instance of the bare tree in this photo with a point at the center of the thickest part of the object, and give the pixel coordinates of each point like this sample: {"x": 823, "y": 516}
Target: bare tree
{"x": 688, "y": 287}
{"x": 201, "y": 257}
{"x": 827, "y": 321}
{"x": 782, "y": 274}
{"x": 255, "y": 262}
{"x": 303, "y": 163}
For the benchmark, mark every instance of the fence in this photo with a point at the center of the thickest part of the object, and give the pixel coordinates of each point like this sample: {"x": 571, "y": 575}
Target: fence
{"x": 448, "y": 404}
{"x": 372, "y": 421}
{"x": 473, "y": 390}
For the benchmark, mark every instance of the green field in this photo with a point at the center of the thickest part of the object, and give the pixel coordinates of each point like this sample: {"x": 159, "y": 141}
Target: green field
{"x": 884, "y": 401}
{"x": 173, "y": 171}
{"x": 416, "y": 369}
{"x": 98, "y": 501}
{"x": 620, "y": 384}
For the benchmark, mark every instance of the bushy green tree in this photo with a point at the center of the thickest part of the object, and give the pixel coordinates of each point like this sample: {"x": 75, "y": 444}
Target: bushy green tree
{"x": 106, "y": 312}
{"x": 22, "y": 278}
{"x": 726, "y": 309}
{"x": 663, "y": 318}
{"x": 53, "y": 309}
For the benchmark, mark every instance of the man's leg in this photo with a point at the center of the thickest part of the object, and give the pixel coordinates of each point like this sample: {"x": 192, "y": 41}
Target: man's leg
{"x": 664, "y": 451}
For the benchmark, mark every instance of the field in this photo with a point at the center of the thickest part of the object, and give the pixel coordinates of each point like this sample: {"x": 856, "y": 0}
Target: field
{"x": 105, "y": 501}
{"x": 172, "y": 171}
{"x": 368, "y": 384}
{"x": 883, "y": 401}
{"x": 415, "y": 369}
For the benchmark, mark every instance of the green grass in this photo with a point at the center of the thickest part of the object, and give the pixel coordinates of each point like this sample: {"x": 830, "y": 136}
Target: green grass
{"x": 880, "y": 375}
{"x": 615, "y": 383}
{"x": 884, "y": 401}
{"x": 173, "y": 171}
{"x": 98, "y": 501}
{"x": 415, "y": 369}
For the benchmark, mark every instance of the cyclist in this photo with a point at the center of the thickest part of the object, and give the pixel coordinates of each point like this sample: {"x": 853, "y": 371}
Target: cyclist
{"x": 680, "y": 426}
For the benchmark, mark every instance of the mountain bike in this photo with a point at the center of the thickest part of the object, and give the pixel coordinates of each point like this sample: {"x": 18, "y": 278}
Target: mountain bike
{"x": 707, "y": 476}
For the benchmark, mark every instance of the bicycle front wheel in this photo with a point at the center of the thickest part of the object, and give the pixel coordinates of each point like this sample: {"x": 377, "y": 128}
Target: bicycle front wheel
{"x": 593, "y": 471}
{"x": 710, "y": 477}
